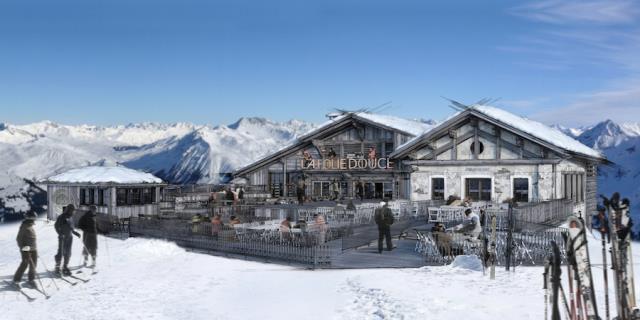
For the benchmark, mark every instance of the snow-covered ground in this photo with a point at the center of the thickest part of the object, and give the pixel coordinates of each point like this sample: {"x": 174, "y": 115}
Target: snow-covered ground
{"x": 153, "y": 279}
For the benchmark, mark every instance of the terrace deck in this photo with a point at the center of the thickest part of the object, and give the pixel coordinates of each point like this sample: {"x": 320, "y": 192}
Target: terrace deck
{"x": 403, "y": 256}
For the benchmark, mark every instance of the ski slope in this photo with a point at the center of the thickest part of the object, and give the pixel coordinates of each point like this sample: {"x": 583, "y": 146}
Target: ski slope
{"x": 154, "y": 279}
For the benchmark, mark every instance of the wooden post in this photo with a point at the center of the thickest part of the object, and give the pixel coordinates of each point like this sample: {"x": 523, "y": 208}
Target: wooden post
{"x": 284, "y": 178}
{"x": 509, "y": 237}
{"x": 476, "y": 140}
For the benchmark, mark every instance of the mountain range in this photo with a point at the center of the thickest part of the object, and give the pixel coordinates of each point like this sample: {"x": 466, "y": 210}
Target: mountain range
{"x": 184, "y": 153}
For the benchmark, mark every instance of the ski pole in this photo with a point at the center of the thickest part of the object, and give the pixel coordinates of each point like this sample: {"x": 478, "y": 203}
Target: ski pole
{"x": 606, "y": 276}
{"x": 106, "y": 245}
{"x": 47, "y": 269}
{"x": 33, "y": 265}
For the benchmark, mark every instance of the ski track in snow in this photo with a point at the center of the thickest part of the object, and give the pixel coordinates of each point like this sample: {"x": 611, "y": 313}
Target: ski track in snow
{"x": 374, "y": 303}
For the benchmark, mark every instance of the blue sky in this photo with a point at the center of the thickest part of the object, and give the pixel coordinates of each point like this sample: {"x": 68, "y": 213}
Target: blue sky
{"x": 112, "y": 62}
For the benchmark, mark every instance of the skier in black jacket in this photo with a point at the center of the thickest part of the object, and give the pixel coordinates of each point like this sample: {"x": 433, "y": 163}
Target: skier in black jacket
{"x": 89, "y": 236}
{"x": 64, "y": 228}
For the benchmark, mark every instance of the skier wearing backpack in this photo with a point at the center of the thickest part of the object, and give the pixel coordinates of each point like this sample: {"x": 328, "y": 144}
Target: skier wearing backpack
{"x": 384, "y": 219}
{"x": 64, "y": 228}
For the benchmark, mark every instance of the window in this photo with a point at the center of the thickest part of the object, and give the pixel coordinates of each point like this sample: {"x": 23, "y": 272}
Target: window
{"x": 121, "y": 196}
{"x": 322, "y": 189}
{"x": 437, "y": 188}
{"x": 87, "y": 196}
{"x": 276, "y": 180}
{"x": 83, "y": 194}
{"x": 574, "y": 186}
{"x": 91, "y": 196}
{"x": 135, "y": 198}
{"x": 521, "y": 189}
{"x": 480, "y": 147}
{"x": 101, "y": 200}
{"x": 478, "y": 189}
{"x": 148, "y": 195}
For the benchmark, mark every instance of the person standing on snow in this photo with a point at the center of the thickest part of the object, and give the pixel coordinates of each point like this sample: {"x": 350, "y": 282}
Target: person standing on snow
{"x": 384, "y": 219}
{"x": 64, "y": 228}
{"x": 28, "y": 250}
{"x": 89, "y": 229}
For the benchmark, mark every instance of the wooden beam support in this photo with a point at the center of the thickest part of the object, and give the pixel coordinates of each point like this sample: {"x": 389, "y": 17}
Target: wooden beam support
{"x": 498, "y": 142}
{"x": 476, "y": 139}
{"x": 481, "y": 162}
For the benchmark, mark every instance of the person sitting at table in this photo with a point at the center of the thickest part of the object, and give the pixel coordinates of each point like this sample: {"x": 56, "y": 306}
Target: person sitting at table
{"x": 471, "y": 227}
{"x": 233, "y": 220}
{"x": 285, "y": 229}
{"x": 216, "y": 226}
{"x": 321, "y": 227}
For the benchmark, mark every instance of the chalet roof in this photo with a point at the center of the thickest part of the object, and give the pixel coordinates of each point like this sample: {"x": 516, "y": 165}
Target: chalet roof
{"x": 95, "y": 174}
{"x": 505, "y": 119}
{"x": 405, "y": 126}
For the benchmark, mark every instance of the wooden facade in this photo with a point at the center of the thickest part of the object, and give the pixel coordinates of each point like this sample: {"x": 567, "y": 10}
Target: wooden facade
{"x": 104, "y": 196}
{"x": 335, "y": 157}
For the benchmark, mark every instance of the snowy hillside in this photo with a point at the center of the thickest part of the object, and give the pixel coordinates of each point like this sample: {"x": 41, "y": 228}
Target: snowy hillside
{"x": 178, "y": 153}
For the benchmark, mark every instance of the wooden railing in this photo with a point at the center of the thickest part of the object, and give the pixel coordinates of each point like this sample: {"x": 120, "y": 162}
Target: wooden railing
{"x": 312, "y": 248}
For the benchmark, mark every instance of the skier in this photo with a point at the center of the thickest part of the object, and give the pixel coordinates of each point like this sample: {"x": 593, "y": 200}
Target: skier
{"x": 28, "y": 250}
{"x": 301, "y": 191}
{"x": 89, "y": 236}
{"x": 471, "y": 227}
{"x": 64, "y": 228}
{"x": 360, "y": 190}
{"x": 384, "y": 219}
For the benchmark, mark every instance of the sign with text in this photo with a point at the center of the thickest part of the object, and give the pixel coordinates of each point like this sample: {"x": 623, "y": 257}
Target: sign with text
{"x": 347, "y": 164}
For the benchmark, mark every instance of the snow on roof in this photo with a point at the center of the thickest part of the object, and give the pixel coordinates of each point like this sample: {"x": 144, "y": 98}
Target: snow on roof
{"x": 413, "y": 127}
{"x": 94, "y": 174}
{"x": 538, "y": 130}
{"x": 541, "y": 131}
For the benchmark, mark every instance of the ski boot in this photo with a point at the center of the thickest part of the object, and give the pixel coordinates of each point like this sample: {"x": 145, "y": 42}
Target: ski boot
{"x": 66, "y": 271}
{"x": 32, "y": 284}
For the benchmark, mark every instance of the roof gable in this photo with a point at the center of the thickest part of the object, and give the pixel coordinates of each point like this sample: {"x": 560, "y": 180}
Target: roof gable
{"x": 530, "y": 129}
{"x": 404, "y": 126}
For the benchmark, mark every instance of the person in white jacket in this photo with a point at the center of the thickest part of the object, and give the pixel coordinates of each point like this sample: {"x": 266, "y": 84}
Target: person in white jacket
{"x": 471, "y": 227}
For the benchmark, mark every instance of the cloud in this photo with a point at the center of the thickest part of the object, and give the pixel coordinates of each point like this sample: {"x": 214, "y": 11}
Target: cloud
{"x": 621, "y": 104}
{"x": 579, "y": 11}
{"x": 602, "y": 36}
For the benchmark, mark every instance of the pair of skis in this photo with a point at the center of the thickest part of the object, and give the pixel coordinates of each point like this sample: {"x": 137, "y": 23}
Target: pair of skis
{"x": 580, "y": 268}
{"x": 490, "y": 252}
{"x": 582, "y": 303}
{"x": 620, "y": 224}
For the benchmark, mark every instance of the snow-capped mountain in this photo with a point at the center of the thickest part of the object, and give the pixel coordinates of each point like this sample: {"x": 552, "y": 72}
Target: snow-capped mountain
{"x": 178, "y": 153}
{"x": 621, "y": 145}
